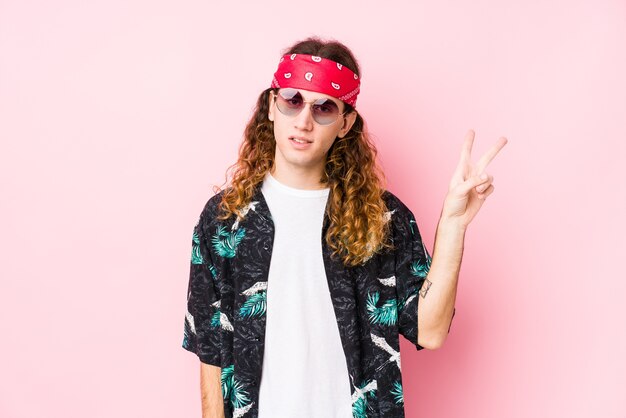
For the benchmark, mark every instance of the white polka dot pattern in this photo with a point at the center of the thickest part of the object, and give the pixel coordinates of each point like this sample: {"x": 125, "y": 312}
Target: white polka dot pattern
{"x": 314, "y": 73}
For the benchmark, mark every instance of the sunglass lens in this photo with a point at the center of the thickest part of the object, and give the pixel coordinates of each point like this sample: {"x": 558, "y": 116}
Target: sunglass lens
{"x": 325, "y": 111}
{"x": 290, "y": 103}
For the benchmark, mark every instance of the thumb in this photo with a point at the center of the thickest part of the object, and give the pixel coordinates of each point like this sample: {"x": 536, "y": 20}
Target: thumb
{"x": 465, "y": 187}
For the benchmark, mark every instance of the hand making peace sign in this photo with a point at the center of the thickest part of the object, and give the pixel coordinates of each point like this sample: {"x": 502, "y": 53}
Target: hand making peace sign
{"x": 470, "y": 184}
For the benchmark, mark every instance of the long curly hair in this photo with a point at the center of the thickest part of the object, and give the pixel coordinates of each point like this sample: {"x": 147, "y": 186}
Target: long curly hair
{"x": 358, "y": 225}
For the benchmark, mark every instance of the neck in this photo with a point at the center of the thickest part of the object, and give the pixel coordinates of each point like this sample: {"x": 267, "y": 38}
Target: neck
{"x": 299, "y": 178}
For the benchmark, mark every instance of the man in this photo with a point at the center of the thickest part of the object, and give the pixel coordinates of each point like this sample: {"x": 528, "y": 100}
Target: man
{"x": 305, "y": 269}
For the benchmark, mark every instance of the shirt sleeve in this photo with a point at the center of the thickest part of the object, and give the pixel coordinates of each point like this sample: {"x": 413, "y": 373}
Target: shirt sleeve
{"x": 412, "y": 263}
{"x": 202, "y": 319}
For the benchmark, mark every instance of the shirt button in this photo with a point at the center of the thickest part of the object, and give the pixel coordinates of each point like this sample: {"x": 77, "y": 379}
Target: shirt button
{"x": 266, "y": 246}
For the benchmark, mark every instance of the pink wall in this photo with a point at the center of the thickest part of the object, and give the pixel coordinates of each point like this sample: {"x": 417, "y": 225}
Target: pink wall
{"x": 116, "y": 117}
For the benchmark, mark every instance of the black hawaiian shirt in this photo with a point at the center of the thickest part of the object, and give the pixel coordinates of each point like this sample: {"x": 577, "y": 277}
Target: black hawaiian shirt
{"x": 374, "y": 303}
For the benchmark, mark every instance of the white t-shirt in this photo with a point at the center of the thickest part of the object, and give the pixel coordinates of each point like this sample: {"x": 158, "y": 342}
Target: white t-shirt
{"x": 304, "y": 372}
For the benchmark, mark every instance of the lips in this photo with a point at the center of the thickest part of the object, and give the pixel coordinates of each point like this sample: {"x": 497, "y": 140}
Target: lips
{"x": 300, "y": 140}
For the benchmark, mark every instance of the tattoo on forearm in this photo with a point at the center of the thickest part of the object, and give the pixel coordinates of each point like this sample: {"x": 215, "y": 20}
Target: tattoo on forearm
{"x": 425, "y": 287}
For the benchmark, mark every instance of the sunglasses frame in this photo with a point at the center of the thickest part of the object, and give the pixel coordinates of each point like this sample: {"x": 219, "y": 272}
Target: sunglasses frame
{"x": 309, "y": 102}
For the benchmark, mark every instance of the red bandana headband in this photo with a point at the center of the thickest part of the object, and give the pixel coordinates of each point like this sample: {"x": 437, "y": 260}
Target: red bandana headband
{"x": 322, "y": 75}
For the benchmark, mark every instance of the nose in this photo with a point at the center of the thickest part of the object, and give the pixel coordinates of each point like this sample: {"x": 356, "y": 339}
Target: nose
{"x": 304, "y": 119}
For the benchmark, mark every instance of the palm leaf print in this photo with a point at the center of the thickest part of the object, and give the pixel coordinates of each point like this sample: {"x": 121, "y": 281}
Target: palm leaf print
{"x": 196, "y": 255}
{"x": 239, "y": 412}
{"x": 255, "y": 305}
{"x": 219, "y": 318}
{"x": 212, "y": 270}
{"x": 186, "y": 337}
{"x": 388, "y": 281}
{"x": 387, "y": 314}
{"x": 232, "y": 389}
{"x": 215, "y": 320}
{"x": 227, "y": 380}
{"x": 360, "y": 399}
{"x": 242, "y": 214}
{"x": 225, "y": 243}
{"x": 419, "y": 269}
{"x": 189, "y": 330}
{"x": 189, "y": 321}
{"x": 406, "y": 300}
{"x": 238, "y": 397}
{"x": 396, "y": 391}
{"x": 387, "y": 215}
{"x": 381, "y": 343}
{"x": 359, "y": 409}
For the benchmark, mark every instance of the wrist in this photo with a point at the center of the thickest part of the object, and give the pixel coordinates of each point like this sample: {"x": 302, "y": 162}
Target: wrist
{"x": 449, "y": 241}
{"x": 451, "y": 224}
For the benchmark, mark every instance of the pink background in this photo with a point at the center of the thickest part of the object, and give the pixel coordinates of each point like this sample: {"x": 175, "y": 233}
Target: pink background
{"x": 117, "y": 117}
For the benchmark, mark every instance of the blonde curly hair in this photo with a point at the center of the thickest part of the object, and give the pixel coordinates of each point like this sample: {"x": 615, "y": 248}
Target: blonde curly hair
{"x": 358, "y": 227}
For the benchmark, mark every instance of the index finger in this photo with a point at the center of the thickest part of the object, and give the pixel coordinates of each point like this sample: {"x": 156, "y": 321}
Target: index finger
{"x": 465, "y": 157}
{"x": 466, "y": 151}
{"x": 489, "y": 155}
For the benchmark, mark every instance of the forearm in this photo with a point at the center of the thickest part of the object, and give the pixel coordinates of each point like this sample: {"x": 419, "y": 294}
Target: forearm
{"x": 437, "y": 298}
{"x": 211, "y": 391}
